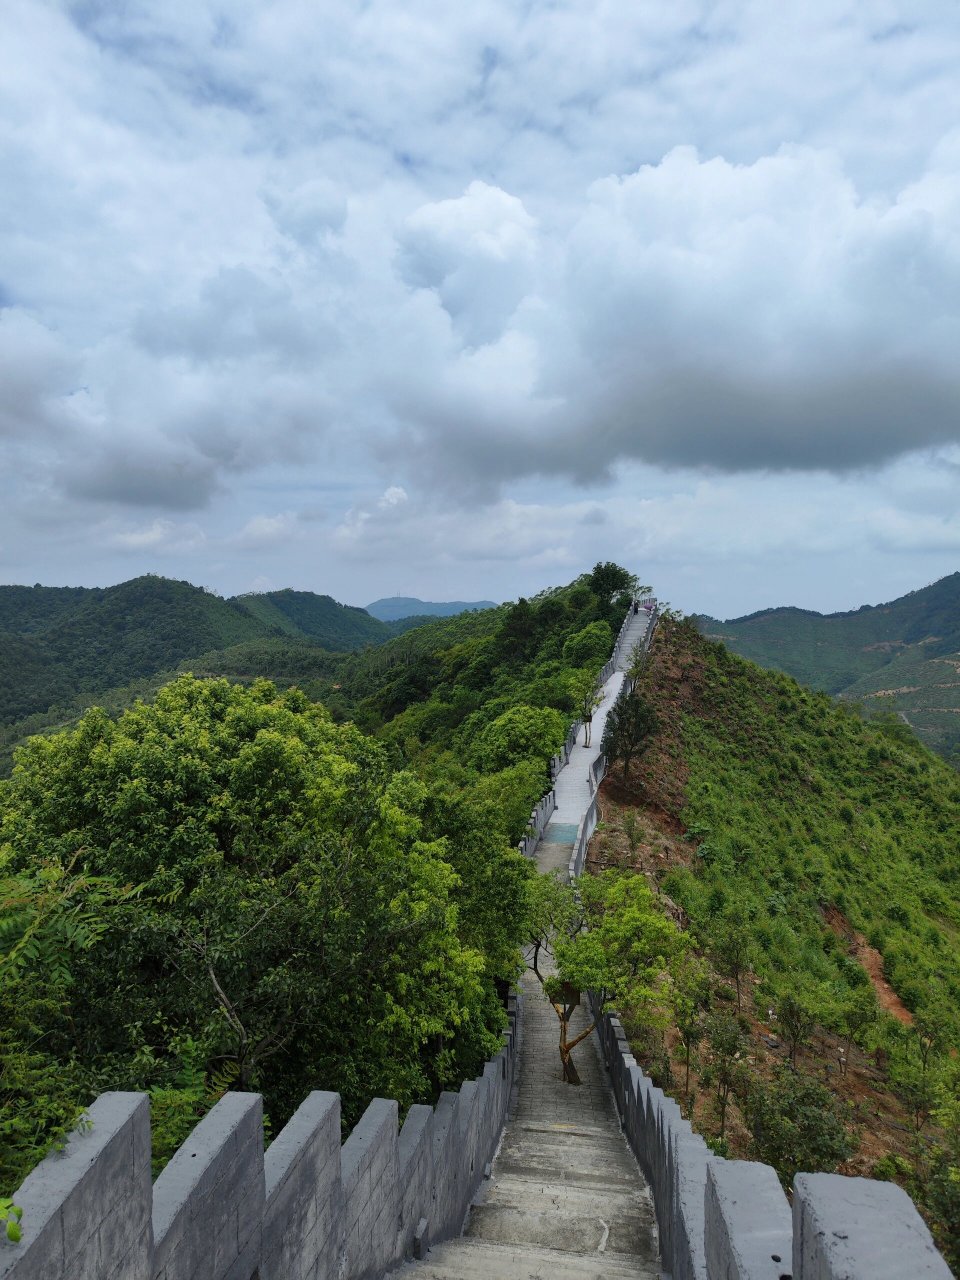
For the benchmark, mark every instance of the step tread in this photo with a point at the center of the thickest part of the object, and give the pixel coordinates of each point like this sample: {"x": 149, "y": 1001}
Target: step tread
{"x": 466, "y": 1259}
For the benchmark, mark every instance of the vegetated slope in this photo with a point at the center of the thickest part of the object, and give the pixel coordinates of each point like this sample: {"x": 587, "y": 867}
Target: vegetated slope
{"x": 61, "y": 647}
{"x": 30, "y": 610}
{"x": 794, "y": 804}
{"x": 815, "y": 858}
{"x": 903, "y": 656}
{"x": 321, "y": 618}
{"x": 110, "y": 636}
{"x": 392, "y": 608}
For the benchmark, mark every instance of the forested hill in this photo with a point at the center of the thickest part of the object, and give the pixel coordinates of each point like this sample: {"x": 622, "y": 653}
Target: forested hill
{"x": 813, "y": 856}
{"x": 58, "y": 644}
{"x": 903, "y": 656}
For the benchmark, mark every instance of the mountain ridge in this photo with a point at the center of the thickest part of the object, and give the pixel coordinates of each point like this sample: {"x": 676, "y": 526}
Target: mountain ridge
{"x": 897, "y": 656}
{"x": 394, "y": 608}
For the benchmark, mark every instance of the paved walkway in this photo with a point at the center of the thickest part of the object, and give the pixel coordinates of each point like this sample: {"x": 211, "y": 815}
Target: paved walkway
{"x": 566, "y": 1200}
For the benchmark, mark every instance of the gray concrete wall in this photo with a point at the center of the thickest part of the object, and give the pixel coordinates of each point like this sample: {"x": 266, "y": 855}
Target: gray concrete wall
{"x": 303, "y": 1210}
{"x": 221, "y": 1210}
{"x": 729, "y": 1219}
{"x": 208, "y": 1202}
{"x": 87, "y": 1209}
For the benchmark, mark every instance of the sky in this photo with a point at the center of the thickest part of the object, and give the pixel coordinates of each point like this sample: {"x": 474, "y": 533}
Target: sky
{"x": 403, "y": 297}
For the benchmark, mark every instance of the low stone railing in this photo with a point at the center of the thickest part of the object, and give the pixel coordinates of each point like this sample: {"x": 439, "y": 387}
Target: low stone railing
{"x": 539, "y": 817}
{"x": 308, "y": 1209}
{"x": 729, "y": 1219}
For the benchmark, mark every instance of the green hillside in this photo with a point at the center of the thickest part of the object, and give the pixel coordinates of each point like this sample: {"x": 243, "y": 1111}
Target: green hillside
{"x": 336, "y": 626}
{"x": 813, "y": 859}
{"x": 88, "y": 641}
{"x": 30, "y": 610}
{"x": 290, "y": 870}
{"x": 901, "y": 657}
{"x": 61, "y": 647}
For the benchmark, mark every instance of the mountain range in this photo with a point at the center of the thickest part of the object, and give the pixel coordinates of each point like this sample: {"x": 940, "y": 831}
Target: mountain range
{"x": 901, "y": 657}
{"x": 60, "y": 647}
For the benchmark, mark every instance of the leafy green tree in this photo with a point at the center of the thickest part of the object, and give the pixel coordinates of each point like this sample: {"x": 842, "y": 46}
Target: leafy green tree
{"x": 289, "y": 880}
{"x": 522, "y": 733}
{"x": 797, "y": 1125}
{"x": 608, "y": 579}
{"x": 856, "y": 1015}
{"x": 607, "y": 936}
{"x": 630, "y": 726}
{"x": 589, "y": 647}
{"x": 797, "y": 1016}
{"x": 49, "y": 915}
{"x": 732, "y": 947}
{"x": 586, "y": 698}
{"x": 724, "y": 1072}
{"x": 691, "y": 1001}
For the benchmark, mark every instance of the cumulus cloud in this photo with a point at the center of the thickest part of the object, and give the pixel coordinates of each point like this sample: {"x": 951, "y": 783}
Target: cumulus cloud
{"x": 265, "y": 531}
{"x": 477, "y": 252}
{"x": 762, "y": 316}
{"x": 160, "y": 536}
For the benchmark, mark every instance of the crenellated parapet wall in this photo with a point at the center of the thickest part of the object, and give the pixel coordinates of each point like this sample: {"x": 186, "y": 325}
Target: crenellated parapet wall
{"x": 724, "y": 1219}
{"x": 222, "y": 1209}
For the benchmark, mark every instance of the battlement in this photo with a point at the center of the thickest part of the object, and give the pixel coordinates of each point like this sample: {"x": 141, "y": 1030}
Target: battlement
{"x": 729, "y": 1219}
{"x": 222, "y": 1209}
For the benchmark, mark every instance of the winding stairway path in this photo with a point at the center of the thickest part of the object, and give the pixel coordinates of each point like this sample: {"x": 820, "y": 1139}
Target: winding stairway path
{"x": 566, "y": 1199}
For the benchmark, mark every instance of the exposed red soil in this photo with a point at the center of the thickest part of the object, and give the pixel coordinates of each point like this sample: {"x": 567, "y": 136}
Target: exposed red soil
{"x": 872, "y": 961}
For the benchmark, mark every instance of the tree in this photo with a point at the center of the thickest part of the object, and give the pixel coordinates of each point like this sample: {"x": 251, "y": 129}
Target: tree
{"x": 797, "y": 1125}
{"x": 690, "y": 1000}
{"x": 797, "y": 1017}
{"x": 725, "y": 1071}
{"x": 856, "y": 1015}
{"x": 607, "y": 937}
{"x": 629, "y": 729}
{"x": 586, "y": 699}
{"x": 731, "y": 945}
{"x": 49, "y": 916}
{"x": 589, "y": 647}
{"x": 608, "y": 579}
{"x": 290, "y": 879}
{"x": 520, "y": 733}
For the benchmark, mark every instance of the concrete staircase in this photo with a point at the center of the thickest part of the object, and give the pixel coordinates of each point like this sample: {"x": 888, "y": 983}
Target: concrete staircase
{"x": 566, "y": 1199}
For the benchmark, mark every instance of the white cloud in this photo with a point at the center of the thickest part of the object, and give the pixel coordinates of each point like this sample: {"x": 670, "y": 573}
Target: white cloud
{"x": 160, "y": 536}
{"x": 265, "y": 531}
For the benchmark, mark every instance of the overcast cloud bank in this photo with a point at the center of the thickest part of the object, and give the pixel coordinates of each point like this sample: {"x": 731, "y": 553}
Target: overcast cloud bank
{"x": 676, "y": 286}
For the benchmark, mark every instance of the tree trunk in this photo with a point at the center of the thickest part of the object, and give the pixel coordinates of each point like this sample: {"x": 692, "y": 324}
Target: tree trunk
{"x": 570, "y": 1073}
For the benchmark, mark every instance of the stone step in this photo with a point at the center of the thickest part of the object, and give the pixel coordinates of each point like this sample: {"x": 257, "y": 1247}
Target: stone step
{"x": 544, "y": 1219}
{"x": 475, "y": 1260}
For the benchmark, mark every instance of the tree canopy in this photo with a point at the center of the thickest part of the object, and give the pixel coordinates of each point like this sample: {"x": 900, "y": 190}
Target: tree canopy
{"x": 301, "y": 920}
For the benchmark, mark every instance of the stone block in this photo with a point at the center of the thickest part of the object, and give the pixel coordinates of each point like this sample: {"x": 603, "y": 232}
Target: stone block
{"x": 196, "y": 1225}
{"x": 749, "y": 1231}
{"x": 857, "y": 1229}
{"x": 86, "y": 1209}
{"x": 371, "y": 1193}
{"x": 303, "y": 1200}
{"x": 689, "y": 1158}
